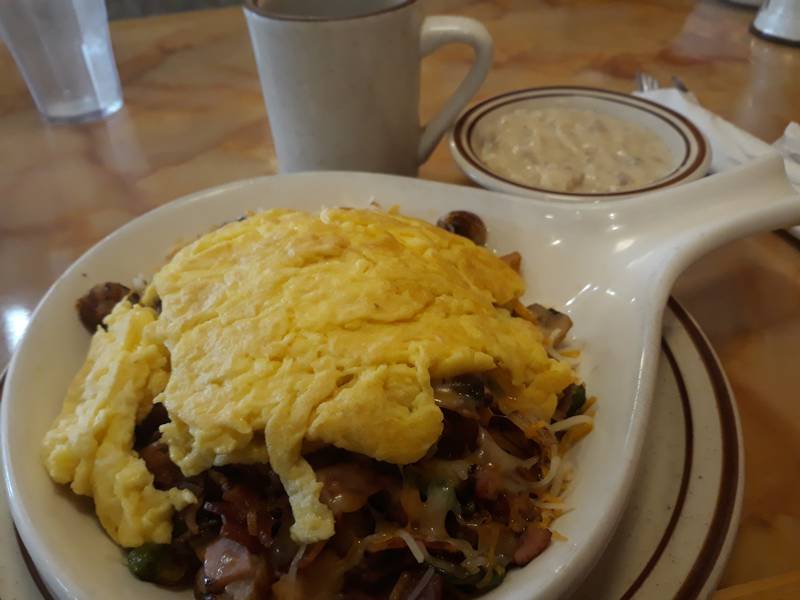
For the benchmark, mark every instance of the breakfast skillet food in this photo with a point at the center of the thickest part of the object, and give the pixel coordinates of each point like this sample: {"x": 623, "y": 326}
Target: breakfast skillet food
{"x": 350, "y": 404}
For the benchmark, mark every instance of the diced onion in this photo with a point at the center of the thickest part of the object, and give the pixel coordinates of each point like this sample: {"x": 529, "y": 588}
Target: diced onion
{"x": 564, "y": 476}
{"x": 413, "y": 545}
{"x": 418, "y": 589}
{"x": 558, "y": 480}
{"x": 493, "y": 453}
{"x": 571, "y": 422}
{"x": 555, "y": 463}
{"x": 139, "y": 283}
{"x": 559, "y": 506}
{"x": 292, "y": 574}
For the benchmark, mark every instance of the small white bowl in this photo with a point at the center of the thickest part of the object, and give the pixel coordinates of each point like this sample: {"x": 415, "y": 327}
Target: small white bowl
{"x": 691, "y": 154}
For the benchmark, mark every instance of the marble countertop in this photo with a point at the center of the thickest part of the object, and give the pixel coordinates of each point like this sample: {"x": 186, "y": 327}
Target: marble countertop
{"x": 194, "y": 118}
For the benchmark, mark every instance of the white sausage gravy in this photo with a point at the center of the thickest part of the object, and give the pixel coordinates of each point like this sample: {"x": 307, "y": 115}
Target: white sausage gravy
{"x": 571, "y": 150}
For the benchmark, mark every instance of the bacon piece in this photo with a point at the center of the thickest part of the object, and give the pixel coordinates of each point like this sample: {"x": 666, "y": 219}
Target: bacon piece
{"x": 346, "y": 487}
{"x": 532, "y": 543}
{"x": 228, "y": 566}
{"x": 488, "y": 483}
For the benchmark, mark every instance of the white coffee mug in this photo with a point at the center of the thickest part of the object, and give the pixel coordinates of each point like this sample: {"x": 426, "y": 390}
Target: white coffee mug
{"x": 341, "y": 80}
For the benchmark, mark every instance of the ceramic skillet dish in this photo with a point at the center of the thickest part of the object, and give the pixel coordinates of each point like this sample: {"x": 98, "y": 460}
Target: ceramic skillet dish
{"x": 610, "y": 266}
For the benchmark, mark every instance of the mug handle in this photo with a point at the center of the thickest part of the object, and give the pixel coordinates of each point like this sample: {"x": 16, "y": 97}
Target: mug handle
{"x": 436, "y": 32}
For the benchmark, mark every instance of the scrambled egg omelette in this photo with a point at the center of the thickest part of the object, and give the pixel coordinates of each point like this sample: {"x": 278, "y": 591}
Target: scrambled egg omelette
{"x": 288, "y": 330}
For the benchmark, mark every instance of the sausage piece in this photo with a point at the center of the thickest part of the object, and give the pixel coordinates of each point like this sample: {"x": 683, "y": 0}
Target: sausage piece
{"x": 98, "y": 303}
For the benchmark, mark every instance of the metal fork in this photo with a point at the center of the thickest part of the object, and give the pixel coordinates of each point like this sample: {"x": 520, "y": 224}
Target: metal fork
{"x": 678, "y": 84}
{"x": 646, "y": 82}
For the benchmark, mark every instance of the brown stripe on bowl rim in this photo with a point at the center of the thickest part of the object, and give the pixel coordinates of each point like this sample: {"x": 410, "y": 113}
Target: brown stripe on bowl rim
{"x": 724, "y": 510}
{"x": 724, "y": 513}
{"x": 462, "y": 139}
{"x": 688, "y": 457}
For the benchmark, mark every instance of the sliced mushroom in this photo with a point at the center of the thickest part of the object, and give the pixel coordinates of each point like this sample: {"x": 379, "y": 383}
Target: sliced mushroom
{"x": 555, "y": 324}
{"x": 570, "y": 402}
{"x": 464, "y": 394}
{"x": 465, "y": 224}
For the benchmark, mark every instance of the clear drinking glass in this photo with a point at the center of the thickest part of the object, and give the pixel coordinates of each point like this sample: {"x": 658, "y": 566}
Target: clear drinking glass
{"x": 63, "y": 50}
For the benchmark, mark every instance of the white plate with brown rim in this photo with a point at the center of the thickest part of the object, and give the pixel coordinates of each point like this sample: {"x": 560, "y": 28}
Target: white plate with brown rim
{"x": 675, "y": 536}
{"x": 689, "y": 152}
{"x": 610, "y": 266}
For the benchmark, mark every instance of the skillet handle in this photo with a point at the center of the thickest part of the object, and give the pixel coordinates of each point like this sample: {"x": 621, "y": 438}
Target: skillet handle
{"x": 683, "y": 223}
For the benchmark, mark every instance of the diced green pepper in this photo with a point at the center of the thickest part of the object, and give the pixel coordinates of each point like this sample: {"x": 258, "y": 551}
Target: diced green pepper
{"x": 498, "y": 575}
{"x": 157, "y": 563}
{"x": 467, "y": 581}
{"x": 577, "y": 399}
{"x": 481, "y": 580}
